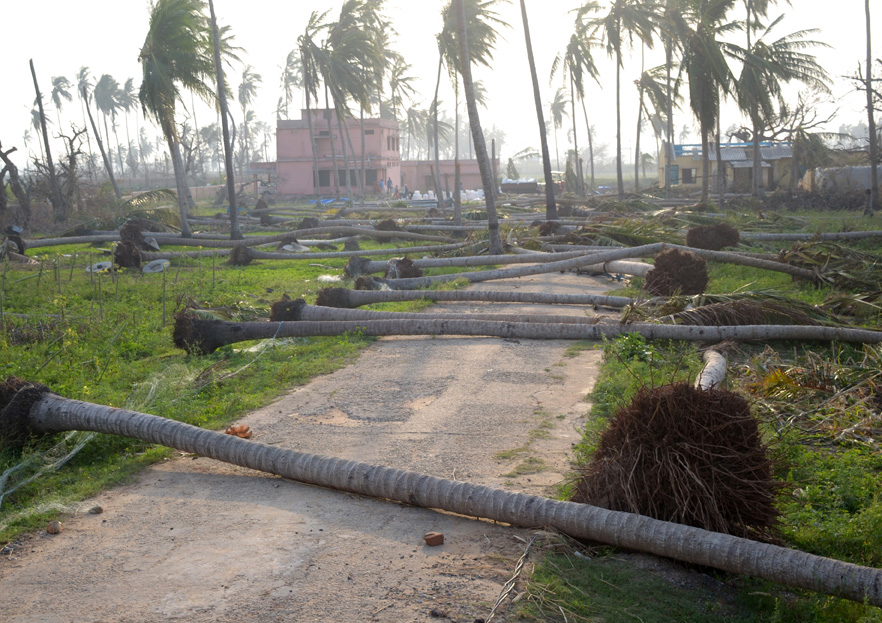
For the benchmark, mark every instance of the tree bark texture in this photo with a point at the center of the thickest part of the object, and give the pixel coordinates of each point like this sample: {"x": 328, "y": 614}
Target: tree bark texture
{"x": 37, "y": 411}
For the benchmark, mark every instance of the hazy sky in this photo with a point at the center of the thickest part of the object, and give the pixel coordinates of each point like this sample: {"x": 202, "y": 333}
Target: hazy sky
{"x": 106, "y": 36}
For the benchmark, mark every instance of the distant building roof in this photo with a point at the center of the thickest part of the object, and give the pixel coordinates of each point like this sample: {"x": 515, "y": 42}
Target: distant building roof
{"x": 734, "y": 152}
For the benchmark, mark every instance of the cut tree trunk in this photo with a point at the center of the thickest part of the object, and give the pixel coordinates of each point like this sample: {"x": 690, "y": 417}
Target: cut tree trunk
{"x": 713, "y": 374}
{"x": 34, "y": 410}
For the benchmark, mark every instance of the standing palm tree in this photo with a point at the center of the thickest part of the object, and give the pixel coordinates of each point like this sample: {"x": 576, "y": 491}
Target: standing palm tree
{"x": 475, "y": 122}
{"x": 626, "y": 19}
{"x": 482, "y": 24}
{"x": 766, "y": 66}
{"x": 177, "y": 53}
{"x": 576, "y": 62}
{"x": 84, "y": 86}
{"x": 60, "y": 91}
{"x": 216, "y": 43}
{"x": 308, "y": 50}
{"x": 127, "y": 99}
{"x": 247, "y": 90}
{"x": 704, "y": 64}
{"x": 653, "y": 104}
{"x": 871, "y": 121}
{"x": 106, "y": 92}
{"x": 558, "y": 112}
{"x": 550, "y": 207}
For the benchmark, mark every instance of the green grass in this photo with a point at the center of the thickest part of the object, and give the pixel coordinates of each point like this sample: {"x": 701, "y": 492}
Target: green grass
{"x": 111, "y": 344}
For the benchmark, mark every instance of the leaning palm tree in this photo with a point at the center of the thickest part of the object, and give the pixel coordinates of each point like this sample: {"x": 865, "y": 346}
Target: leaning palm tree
{"x": 550, "y": 207}
{"x": 625, "y": 20}
{"x": 60, "y": 92}
{"x": 307, "y": 51}
{"x": 766, "y": 66}
{"x": 558, "y": 111}
{"x": 29, "y": 410}
{"x": 247, "y": 91}
{"x": 105, "y": 94}
{"x": 84, "y": 86}
{"x": 871, "y": 119}
{"x": 177, "y": 53}
{"x": 652, "y": 102}
{"x": 699, "y": 27}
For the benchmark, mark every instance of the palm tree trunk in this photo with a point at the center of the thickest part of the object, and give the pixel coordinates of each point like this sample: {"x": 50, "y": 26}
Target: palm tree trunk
{"x": 713, "y": 374}
{"x": 637, "y": 146}
{"x": 477, "y": 134}
{"x": 619, "y": 177}
{"x": 344, "y": 133}
{"x": 669, "y": 54}
{"x": 871, "y": 122}
{"x": 180, "y": 182}
{"x": 36, "y": 410}
{"x": 357, "y": 266}
{"x": 235, "y": 232}
{"x": 705, "y": 163}
{"x": 107, "y": 165}
{"x": 315, "y": 171}
{"x": 721, "y": 172}
{"x": 334, "y": 170}
{"x": 362, "y": 181}
{"x": 436, "y": 174}
{"x": 758, "y": 185}
{"x": 550, "y": 206}
{"x": 341, "y": 297}
{"x": 579, "y": 189}
{"x": 590, "y": 143}
{"x": 57, "y": 204}
{"x": 197, "y": 335}
{"x": 457, "y": 173}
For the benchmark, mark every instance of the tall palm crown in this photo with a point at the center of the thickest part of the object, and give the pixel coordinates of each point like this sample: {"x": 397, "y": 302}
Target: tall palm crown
{"x": 483, "y": 23}
{"x": 60, "y": 91}
{"x": 106, "y": 94}
{"x": 176, "y": 55}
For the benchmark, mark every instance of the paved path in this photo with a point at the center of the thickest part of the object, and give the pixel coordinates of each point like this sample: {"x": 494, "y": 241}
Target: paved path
{"x": 200, "y": 541}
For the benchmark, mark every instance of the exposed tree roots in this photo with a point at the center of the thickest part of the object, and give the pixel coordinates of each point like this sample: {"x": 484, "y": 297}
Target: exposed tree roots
{"x": 677, "y": 272}
{"x": 689, "y": 456}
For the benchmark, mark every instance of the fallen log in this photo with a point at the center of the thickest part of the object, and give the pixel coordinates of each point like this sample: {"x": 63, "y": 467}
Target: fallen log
{"x": 342, "y": 297}
{"x": 198, "y": 335}
{"x": 29, "y": 409}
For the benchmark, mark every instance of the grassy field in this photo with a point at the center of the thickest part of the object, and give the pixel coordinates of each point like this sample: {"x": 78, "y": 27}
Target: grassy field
{"x": 831, "y": 504}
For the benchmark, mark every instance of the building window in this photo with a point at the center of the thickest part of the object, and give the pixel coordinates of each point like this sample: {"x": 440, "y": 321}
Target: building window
{"x": 353, "y": 178}
{"x": 324, "y": 133}
{"x": 370, "y": 177}
{"x": 368, "y": 132}
{"x": 324, "y": 178}
{"x": 688, "y": 176}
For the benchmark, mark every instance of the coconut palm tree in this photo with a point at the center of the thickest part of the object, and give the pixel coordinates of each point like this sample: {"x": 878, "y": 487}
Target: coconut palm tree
{"x": 307, "y": 52}
{"x": 670, "y": 11}
{"x": 576, "y": 63}
{"x": 127, "y": 97}
{"x": 105, "y": 94}
{"x": 60, "y": 92}
{"x": 177, "y": 53}
{"x": 58, "y": 207}
{"x": 483, "y": 22}
{"x": 625, "y": 20}
{"x": 104, "y": 155}
{"x": 84, "y": 85}
{"x": 653, "y": 103}
{"x": 766, "y": 66}
{"x": 247, "y": 91}
{"x": 550, "y": 207}
{"x": 558, "y": 109}
{"x": 34, "y": 410}
{"x": 699, "y": 28}
{"x": 871, "y": 120}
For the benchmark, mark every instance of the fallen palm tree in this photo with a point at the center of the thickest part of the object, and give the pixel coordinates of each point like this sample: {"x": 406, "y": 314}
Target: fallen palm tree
{"x": 257, "y": 254}
{"x": 535, "y": 269}
{"x": 198, "y": 335}
{"x": 214, "y": 242}
{"x": 358, "y": 267}
{"x": 342, "y": 297}
{"x": 842, "y": 235}
{"x": 298, "y": 310}
{"x": 29, "y": 410}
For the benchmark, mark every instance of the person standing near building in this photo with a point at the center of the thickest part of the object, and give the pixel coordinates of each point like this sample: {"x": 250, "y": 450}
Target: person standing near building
{"x": 389, "y": 185}
{"x": 382, "y": 186}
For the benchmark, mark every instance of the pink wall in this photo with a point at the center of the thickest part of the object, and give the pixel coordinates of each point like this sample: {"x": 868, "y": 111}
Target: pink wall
{"x": 417, "y": 174}
{"x": 294, "y": 161}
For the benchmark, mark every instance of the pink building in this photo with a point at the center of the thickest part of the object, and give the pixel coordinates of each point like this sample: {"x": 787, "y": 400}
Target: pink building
{"x": 294, "y": 164}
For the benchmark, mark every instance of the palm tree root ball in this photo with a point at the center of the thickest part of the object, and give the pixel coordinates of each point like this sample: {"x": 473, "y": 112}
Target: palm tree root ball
{"x": 676, "y": 272}
{"x": 689, "y": 456}
{"x": 712, "y": 237}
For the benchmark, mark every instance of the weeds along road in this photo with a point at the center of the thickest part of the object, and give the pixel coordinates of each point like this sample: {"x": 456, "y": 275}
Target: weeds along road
{"x": 200, "y": 541}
